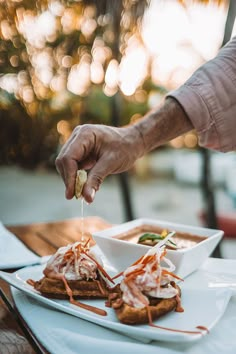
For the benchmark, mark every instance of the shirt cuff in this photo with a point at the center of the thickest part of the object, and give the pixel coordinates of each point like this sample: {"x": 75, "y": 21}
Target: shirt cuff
{"x": 196, "y": 108}
{"x": 209, "y": 99}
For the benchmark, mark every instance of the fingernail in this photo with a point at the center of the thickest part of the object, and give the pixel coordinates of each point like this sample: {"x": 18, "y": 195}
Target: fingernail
{"x": 89, "y": 194}
{"x": 92, "y": 193}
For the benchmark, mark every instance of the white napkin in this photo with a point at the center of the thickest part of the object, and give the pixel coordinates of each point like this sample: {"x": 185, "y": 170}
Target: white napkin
{"x": 13, "y": 253}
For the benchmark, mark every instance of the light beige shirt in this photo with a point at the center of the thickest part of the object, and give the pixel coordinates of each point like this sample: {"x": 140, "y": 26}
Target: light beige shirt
{"x": 209, "y": 99}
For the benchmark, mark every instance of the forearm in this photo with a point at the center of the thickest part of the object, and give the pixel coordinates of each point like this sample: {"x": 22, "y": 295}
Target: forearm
{"x": 162, "y": 125}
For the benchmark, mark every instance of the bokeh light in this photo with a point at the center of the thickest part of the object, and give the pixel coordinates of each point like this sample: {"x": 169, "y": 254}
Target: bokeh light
{"x": 60, "y": 60}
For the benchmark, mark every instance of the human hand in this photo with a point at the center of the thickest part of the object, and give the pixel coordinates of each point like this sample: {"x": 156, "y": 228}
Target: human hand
{"x": 103, "y": 150}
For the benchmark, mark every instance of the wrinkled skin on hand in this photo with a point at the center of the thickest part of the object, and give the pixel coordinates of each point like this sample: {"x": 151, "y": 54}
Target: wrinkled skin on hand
{"x": 103, "y": 150}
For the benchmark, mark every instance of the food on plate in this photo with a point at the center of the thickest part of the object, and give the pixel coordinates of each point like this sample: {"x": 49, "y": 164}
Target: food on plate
{"x": 74, "y": 271}
{"x": 150, "y": 235}
{"x": 148, "y": 289}
{"x": 81, "y": 178}
{"x": 78, "y": 266}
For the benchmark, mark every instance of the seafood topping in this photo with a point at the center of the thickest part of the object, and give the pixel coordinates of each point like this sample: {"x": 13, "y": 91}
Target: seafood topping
{"x": 150, "y": 276}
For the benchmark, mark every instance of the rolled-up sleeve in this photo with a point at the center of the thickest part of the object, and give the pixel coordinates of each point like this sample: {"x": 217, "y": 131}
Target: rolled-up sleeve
{"x": 209, "y": 100}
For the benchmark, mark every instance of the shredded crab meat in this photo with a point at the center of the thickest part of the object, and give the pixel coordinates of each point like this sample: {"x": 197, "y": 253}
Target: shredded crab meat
{"x": 74, "y": 262}
{"x": 77, "y": 262}
{"x": 148, "y": 278}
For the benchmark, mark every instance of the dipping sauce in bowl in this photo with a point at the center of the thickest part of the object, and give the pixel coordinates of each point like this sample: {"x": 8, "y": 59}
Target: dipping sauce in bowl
{"x": 119, "y": 244}
{"x": 180, "y": 239}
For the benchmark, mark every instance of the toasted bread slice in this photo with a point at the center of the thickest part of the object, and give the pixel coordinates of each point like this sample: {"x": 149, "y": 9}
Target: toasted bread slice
{"x": 132, "y": 315}
{"x": 55, "y": 288}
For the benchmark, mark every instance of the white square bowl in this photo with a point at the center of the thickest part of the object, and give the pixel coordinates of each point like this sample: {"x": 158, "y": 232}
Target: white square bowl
{"x": 121, "y": 253}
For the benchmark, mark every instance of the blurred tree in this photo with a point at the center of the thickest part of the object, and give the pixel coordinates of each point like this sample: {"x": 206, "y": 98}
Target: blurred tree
{"x": 59, "y": 63}
{"x": 54, "y": 56}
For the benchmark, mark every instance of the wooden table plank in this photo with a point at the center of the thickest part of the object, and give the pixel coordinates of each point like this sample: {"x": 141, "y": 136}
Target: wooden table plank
{"x": 45, "y": 238}
{"x": 29, "y": 236}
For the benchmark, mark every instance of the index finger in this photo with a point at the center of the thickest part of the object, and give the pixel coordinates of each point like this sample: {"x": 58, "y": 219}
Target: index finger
{"x": 68, "y": 162}
{"x": 70, "y": 170}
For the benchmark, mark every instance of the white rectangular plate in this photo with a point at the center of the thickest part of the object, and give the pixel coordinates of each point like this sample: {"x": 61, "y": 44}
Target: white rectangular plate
{"x": 204, "y": 298}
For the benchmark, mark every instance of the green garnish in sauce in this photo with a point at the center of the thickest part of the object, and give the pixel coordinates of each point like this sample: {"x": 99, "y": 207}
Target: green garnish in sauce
{"x": 150, "y": 236}
{"x": 155, "y": 238}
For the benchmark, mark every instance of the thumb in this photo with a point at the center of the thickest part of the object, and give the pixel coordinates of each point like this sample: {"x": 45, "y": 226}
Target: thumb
{"x": 95, "y": 178}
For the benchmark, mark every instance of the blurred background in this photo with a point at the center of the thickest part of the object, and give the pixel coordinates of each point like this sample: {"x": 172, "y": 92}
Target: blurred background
{"x": 64, "y": 63}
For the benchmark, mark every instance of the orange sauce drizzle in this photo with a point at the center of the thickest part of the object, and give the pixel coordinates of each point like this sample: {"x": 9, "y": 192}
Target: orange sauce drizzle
{"x": 100, "y": 287}
{"x": 79, "y": 304}
{"x": 203, "y": 328}
{"x": 179, "y": 308}
{"x": 30, "y": 282}
{"x": 173, "y": 329}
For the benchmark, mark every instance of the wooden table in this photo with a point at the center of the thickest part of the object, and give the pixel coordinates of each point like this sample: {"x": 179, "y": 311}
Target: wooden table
{"x": 43, "y": 239}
